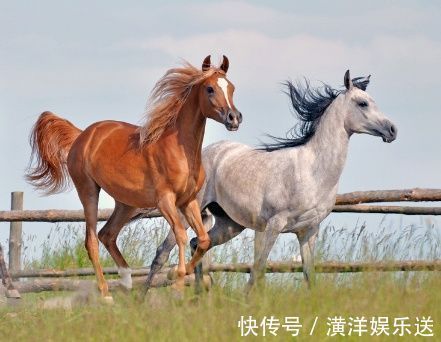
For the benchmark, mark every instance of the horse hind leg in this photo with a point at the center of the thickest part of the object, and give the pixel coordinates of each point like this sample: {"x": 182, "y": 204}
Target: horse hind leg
{"x": 224, "y": 226}
{"x": 163, "y": 252}
{"x": 108, "y": 236}
{"x": 161, "y": 257}
{"x": 88, "y": 192}
{"x": 207, "y": 220}
{"x": 224, "y": 229}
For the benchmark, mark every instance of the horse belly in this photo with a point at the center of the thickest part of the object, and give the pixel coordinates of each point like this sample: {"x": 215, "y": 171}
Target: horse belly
{"x": 128, "y": 193}
{"x": 243, "y": 210}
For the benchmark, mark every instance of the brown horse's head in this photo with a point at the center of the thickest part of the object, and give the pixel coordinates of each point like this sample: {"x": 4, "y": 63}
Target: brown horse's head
{"x": 216, "y": 96}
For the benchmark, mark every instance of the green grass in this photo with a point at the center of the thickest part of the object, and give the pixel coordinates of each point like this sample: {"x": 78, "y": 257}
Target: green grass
{"x": 214, "y": 316}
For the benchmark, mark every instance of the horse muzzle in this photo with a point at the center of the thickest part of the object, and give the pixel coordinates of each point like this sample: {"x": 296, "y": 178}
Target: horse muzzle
{"x": 232, "y": 120}
{"x": 388, "y": 132}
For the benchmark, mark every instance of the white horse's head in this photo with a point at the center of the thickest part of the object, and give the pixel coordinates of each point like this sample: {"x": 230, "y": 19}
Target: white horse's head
{"x": 362, "y": 114}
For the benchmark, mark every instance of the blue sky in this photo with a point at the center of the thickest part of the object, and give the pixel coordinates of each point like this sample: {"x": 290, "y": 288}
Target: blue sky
{"x": 91, "y": 61}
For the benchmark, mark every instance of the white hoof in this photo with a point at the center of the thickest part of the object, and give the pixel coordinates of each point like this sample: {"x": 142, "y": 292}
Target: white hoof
{"x": 126, "y": 278}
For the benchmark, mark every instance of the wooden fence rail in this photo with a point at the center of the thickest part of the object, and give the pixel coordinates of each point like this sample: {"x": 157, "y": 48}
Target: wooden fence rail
{"x": 386, "y": 209}
{"x": 272, "y": 267}
{"x": 407, "y": 195}
{"x": 55, "y": 215}
{"x": 78, "y": 272}
{"x": 334, "y": 267}
{"x": 59, "y": 284}
{"x": 349, "y": 202}
{"x": 59, "y": 215}
{"x": 51, "y": 279}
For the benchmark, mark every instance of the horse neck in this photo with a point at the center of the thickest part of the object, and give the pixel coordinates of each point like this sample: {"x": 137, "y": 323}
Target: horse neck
{"x": 327, "y": 149}
{"x": 190, "y": 126}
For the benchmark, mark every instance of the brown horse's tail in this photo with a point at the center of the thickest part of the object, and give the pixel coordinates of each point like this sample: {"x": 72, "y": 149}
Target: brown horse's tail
{"x": 51, "y": 139}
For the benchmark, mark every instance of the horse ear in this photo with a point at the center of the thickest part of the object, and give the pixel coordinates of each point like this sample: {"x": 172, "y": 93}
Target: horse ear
{"x": 206, "y": 64}
{"x": 225, "y": 64}
{"x": 366, "y": 82}
{"x": 348, "y": 81}
{"x": 361, "y": 82}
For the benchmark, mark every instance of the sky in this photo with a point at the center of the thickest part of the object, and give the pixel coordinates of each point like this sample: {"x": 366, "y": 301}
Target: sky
{"x": 91, "y": 61}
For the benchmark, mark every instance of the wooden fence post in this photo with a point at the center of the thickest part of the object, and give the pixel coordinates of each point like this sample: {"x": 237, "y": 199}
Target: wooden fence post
{"x": 10, "y": 290}
{"x": 15, "y": 234}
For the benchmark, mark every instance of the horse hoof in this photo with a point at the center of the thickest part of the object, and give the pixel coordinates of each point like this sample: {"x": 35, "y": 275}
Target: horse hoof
{"x": 108, "y": 300}
{"x": 188, "y": 269}
{"x": 172, "y": 274}
{"x": 12, "y": 293}
{"x": 207, "y": 282}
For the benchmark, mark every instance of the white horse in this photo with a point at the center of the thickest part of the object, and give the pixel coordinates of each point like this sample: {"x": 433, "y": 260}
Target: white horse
{"x": 291, "y": 184}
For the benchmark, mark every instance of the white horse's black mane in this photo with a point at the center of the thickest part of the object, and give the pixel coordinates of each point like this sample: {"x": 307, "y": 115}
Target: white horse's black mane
{"x": 309, "y": 105}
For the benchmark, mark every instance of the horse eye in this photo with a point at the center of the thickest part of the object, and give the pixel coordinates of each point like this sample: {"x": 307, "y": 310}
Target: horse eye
{"x": 210, "y": 90}
{"x": 363, "y": 104}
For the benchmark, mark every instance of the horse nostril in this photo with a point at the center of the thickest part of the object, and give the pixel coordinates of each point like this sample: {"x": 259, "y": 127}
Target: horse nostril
{"x": 392, "y": 130}
{"x": 239, "y": 116}
{"x": 230, "y": 117}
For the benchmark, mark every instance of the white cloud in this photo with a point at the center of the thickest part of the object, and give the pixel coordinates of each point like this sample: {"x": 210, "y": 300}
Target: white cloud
{"x": 261, "y": 61}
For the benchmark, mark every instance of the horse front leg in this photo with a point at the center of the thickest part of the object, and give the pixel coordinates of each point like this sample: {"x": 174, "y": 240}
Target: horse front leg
{"x": 192, "y": 213}
{"x": 307, "y": 239}
{"x": 207, "y": 220}
{"x": 167, "y": 206}
{"x": 263, "y": 243}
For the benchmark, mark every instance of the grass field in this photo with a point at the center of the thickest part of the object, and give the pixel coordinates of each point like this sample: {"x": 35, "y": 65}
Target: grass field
{"x": 356, "y": 301}
{"x": 215, "y": 316}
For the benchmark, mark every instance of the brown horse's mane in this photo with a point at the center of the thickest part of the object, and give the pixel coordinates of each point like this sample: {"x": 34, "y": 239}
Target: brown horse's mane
{"x": 167, "y": 98}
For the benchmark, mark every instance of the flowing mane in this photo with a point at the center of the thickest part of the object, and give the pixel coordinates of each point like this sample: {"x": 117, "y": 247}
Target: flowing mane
{"x": 309, "y": 105}
{"x": 167, "y": 98}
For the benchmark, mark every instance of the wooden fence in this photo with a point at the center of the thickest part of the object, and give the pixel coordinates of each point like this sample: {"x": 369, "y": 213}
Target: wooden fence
{"x": 349, "y": 202}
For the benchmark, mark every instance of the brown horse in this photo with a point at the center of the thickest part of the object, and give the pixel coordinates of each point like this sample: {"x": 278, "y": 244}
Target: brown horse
{"x": 157, "y": 165}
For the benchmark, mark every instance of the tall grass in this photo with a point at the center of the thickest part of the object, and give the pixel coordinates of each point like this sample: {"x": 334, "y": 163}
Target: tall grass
{"x": 214, "y": 316}
{"x": 64, "y": 247}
